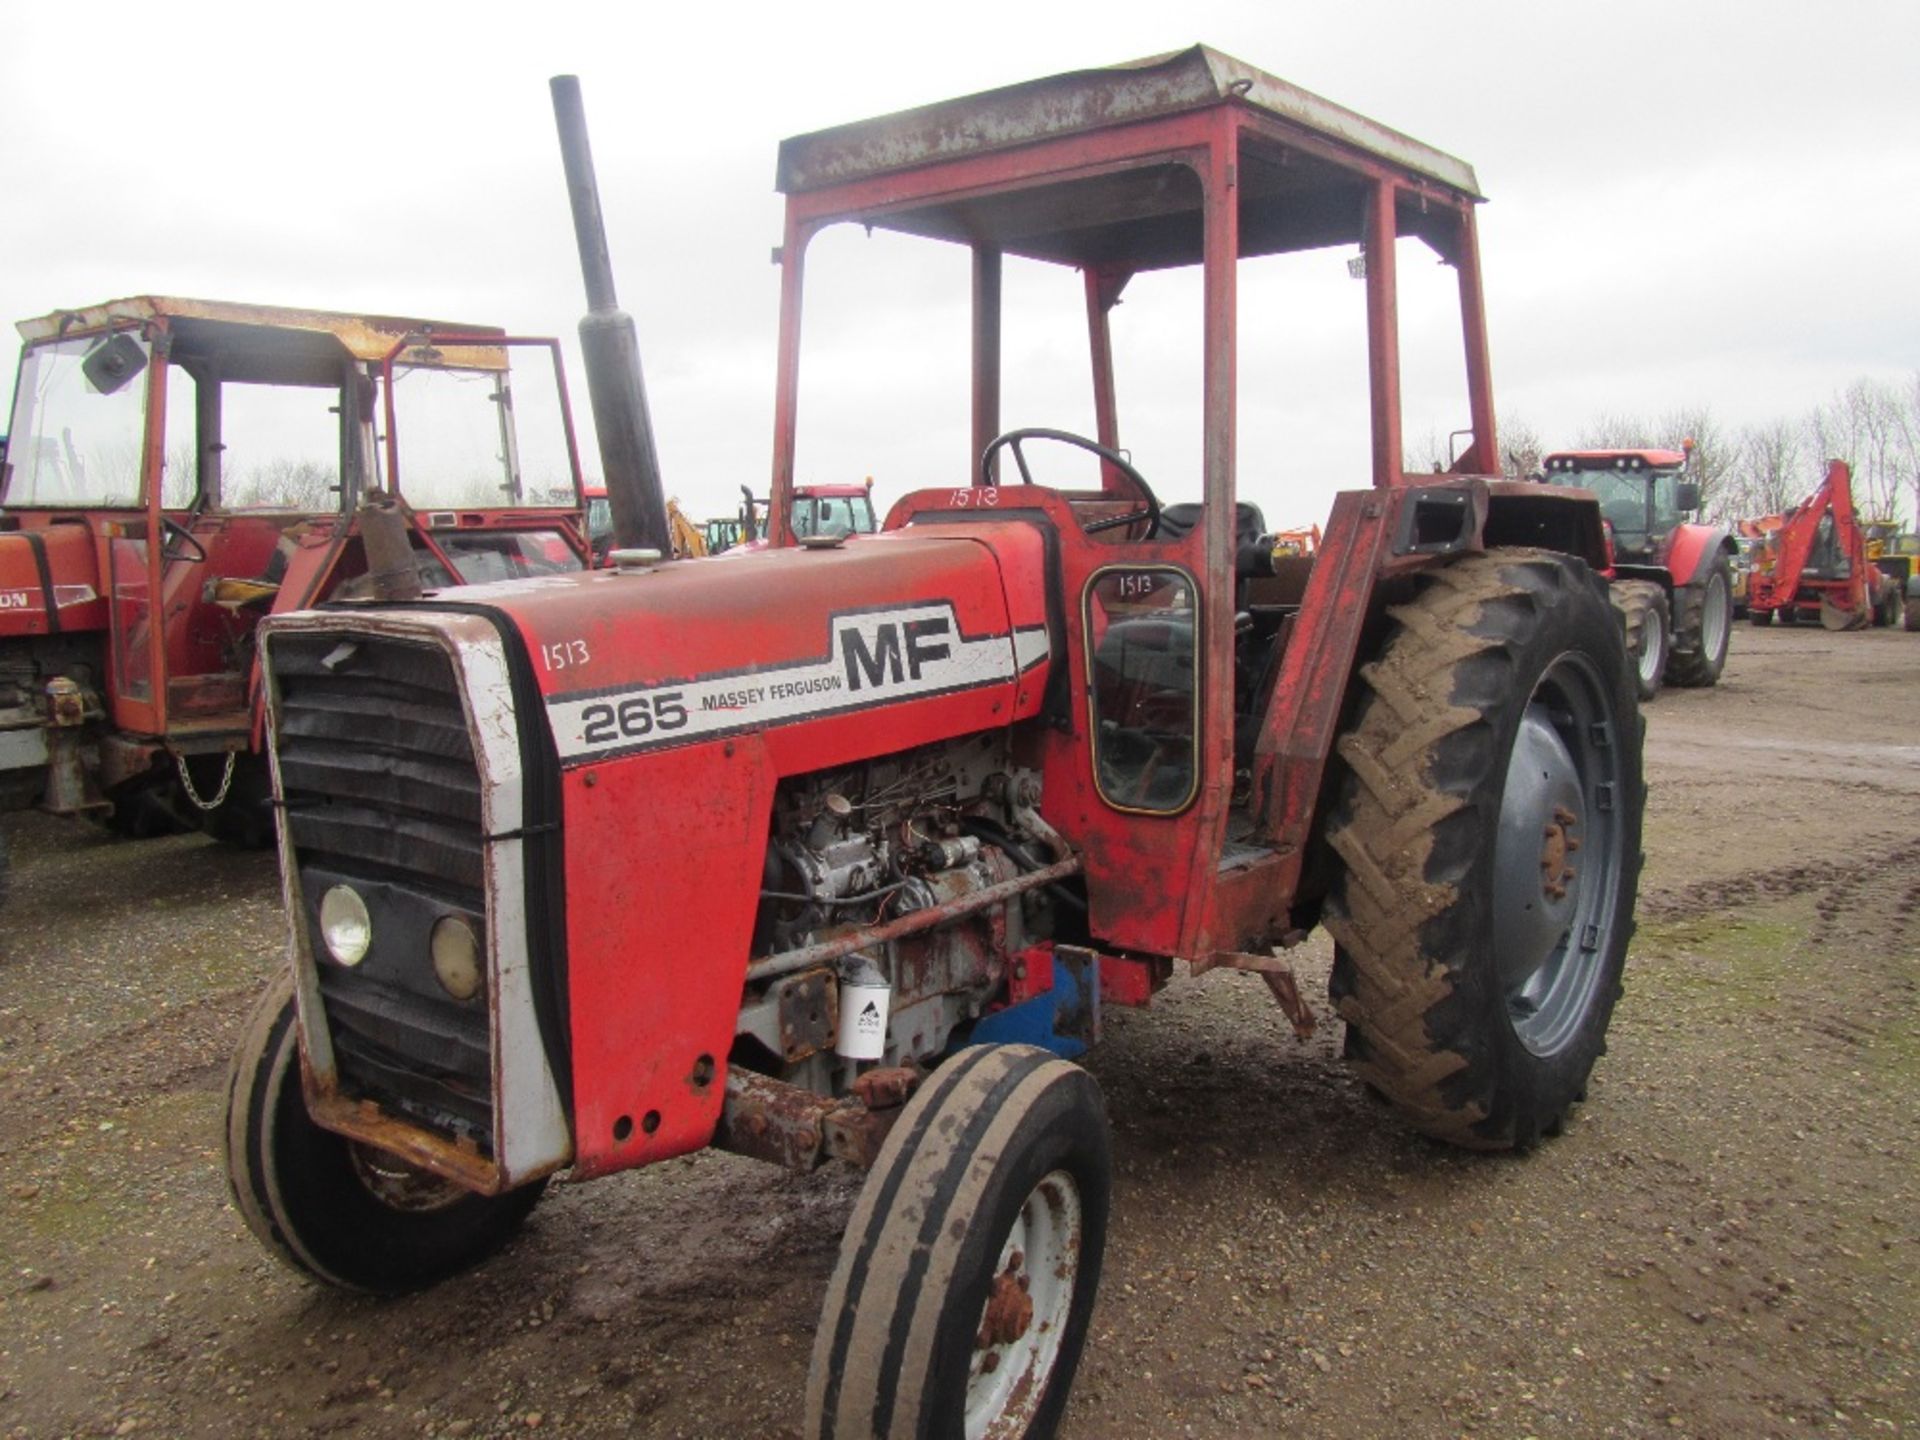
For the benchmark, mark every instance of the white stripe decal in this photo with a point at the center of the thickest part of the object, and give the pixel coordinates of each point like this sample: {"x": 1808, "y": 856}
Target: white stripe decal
{"x": 873, "y": 658}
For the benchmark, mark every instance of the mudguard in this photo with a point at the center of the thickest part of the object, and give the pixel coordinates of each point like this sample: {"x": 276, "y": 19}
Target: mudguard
{"x": 1692, "y": 551}
{"x": 49, "y": 582}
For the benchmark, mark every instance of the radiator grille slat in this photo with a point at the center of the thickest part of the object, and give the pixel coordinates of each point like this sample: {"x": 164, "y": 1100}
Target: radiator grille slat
{"x": 382, "y": 793}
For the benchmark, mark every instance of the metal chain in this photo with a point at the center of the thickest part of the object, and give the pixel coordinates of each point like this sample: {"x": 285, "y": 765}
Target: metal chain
{"x": 186, "y": 782}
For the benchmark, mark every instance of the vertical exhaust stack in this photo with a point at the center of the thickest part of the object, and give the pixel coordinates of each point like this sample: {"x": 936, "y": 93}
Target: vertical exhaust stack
{"x": 611, "y": 348}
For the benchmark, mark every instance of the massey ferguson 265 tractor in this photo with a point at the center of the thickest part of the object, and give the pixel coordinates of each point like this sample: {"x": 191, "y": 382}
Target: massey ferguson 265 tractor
{"x": 1672, "y": 578}
{"x": 947, "y": 792}
{"x": 178, "y": 469}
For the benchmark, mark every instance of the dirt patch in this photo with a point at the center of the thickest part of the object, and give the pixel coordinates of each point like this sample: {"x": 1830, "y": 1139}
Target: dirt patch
{"x": 1723, "y": 1244}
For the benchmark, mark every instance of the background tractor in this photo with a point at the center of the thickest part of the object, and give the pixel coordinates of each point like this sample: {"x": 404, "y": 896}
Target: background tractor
{"x": 176, "y": 470}
{"x": 1673, "y": 580}
{"x": 950, "y": 791}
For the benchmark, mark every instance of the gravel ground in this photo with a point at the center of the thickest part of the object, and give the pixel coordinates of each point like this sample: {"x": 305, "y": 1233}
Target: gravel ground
{"x": 1722, "y": 1244}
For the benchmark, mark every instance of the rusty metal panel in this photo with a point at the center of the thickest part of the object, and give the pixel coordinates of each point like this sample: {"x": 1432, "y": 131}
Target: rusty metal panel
{"x": 1087, "y": 100}
{"x": 366, "y": 337}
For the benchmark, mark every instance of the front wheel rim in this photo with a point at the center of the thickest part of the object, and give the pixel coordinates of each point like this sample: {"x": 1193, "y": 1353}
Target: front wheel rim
{"x": 1713, "y": 619}
{"x": 1557, "y": 855}
{"x": 1653, "y": 647}
{"x": 1024, "y": 1320}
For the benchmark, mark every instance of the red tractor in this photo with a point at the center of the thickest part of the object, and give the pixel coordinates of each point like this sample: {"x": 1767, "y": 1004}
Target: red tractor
{"x": 1672, "y": 578}
{"x": 1816, "y": 565}
{"x": 178, "y": 469}
{"x": 947, "y": 792}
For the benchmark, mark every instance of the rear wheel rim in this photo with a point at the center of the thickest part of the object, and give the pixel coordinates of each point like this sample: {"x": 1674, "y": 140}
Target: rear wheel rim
{"x": 1557, "y": 855}
{"x": 1017, "y": 1342}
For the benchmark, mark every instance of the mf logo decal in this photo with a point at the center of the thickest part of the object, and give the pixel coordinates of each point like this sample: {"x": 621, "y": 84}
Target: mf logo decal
{"x": 873, "y": 658}
{"x": 16, "y": 600}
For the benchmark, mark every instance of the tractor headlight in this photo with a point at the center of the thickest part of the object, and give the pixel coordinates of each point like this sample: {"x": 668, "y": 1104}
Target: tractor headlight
{"x": 345, "y": 925}
{"x": 457, "y": 962}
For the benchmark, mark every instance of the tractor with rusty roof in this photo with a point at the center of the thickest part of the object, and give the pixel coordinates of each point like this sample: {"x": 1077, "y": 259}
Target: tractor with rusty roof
{"x": 179, "y": 469}
{"x": 1673, "y": 578}
{"x": 949, "y": 792}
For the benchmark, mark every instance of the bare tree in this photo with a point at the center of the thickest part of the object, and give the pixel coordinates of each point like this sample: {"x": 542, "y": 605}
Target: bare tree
{"x": 1861, "y": 425}
{"x": 1521, "y": 449}
{"x": 1771, "y": 470}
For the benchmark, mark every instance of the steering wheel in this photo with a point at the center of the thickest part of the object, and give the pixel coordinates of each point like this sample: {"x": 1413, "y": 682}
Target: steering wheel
{"x": 177, "y": 543}
{"x": 1150, "y": 511}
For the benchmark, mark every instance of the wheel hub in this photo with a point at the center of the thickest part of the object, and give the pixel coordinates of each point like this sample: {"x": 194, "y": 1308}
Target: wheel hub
{"x": 1559, "y": 842}
{"x": 1025, "y": 1316}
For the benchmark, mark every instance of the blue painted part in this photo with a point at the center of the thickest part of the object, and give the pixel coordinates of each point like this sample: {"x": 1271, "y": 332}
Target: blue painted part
{"x": 1031, "y": 1021}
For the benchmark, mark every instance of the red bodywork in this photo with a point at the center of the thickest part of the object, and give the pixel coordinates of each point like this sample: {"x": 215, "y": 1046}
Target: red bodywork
{"x": 655, "y": 687}
{"x": 78, "y": 581}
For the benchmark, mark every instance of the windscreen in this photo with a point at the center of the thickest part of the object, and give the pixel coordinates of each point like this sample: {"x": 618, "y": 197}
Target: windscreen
{"x": 473, "y": 439}
{"x": 79, "y": 421}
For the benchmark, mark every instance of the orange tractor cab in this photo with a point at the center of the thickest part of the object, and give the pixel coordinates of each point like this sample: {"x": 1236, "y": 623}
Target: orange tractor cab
{"x": 1817, "y": 566}
{"x": 949, "y": 792}
{"x": 176, "y": 470}
{"x": 1673, "y": 579}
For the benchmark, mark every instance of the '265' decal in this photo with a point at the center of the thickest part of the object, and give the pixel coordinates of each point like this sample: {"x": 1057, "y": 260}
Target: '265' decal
{"x": 634, "y": 718}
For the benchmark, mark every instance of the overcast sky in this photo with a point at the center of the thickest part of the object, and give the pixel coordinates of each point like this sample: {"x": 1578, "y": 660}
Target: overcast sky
{"x": 1690, "y": 204}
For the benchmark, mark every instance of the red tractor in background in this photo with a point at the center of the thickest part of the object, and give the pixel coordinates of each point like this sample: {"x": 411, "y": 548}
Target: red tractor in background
{"x": 1672, "y": 578}
{"x": 176, "y": 470}
{"x": 817, "y": 510}
{"x": 948, "y": 792}
{"x": 1816, "y": 565}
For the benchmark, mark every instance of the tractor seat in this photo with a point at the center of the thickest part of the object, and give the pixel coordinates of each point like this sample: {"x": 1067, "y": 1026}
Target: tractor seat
{"x": 1177, "y": 521}
{"x": 236, "y": 594}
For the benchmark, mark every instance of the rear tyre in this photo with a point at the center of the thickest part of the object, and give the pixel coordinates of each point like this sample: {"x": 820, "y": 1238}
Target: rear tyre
{"x": 1700, "y": 652}
{"x": 1912, "y": 620}
{"x": 1489, "y": 825}
{"x": 244, "y": 819}
{"x": 1648, "y": 621}
{"x": 967, "y": 1276}
{"x": 4, "y": 863}
{"x": 146, "y": 811}
{"x": 1887, "y": 610}
{"x": 332, "y": 1208}
{"x": 1759, "y": 617}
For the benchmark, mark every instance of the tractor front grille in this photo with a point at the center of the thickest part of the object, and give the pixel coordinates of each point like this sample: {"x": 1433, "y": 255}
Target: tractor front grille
{"x": 382, "y": 796}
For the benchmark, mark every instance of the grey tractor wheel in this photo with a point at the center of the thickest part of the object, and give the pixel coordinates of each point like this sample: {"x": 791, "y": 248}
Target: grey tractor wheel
{"x": 331, "y": 1208}
{"x": 1647, "y": 619}
{"x": 1911, "y": 621}
{"x": 967, "y": 1276}
{"x": 1488, "y": 829}
{"x": 1700, "y": 651}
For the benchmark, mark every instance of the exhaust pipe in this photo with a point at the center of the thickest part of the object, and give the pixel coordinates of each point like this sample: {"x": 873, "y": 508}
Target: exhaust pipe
{"x": 611, "y": 347}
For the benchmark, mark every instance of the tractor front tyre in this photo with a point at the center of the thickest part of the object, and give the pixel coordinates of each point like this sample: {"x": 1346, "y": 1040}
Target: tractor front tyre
{"x": 1700, "y": 649}
{"x": 1489, "y": 828}
{"x": 332, "y": 1208}
{"x": 966, "y": 1279}
{"x": 1911, "y": 622}
{"x": 1647, "y": 619}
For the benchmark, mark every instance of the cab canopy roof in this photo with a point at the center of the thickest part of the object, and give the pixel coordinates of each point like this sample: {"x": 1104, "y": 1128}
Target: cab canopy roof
{"x": 270, "y": 344}
{"x": 1304, "y": 168}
